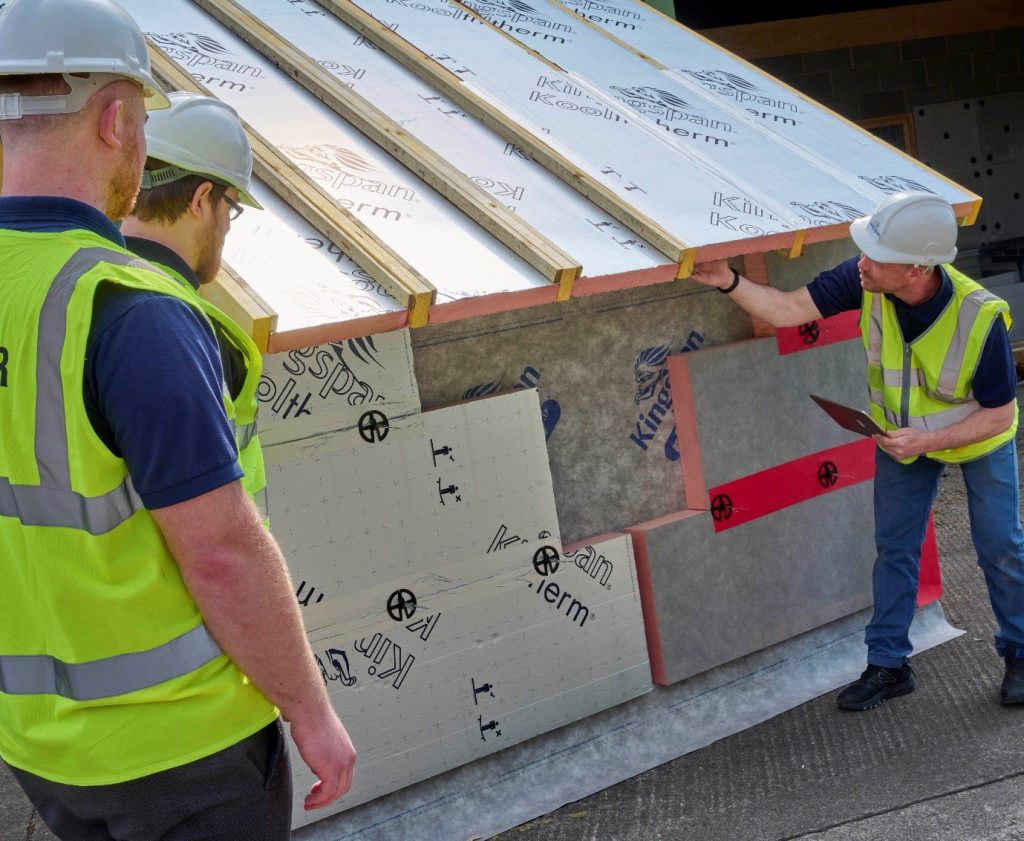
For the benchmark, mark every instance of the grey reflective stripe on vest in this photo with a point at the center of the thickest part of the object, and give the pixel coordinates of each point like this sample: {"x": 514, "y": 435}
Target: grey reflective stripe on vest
{"x": 873, "y": 346}
{"x": 53, "y": 502}
{"x": 927, "y": 423}
{"x": 947, "y": 417}
{"x": 38, "y": 506}
{"x": 893, "y": 378}
{"x": 40, "y": 674}
{"x": 244, "y": 435}
{"x": 891, "y": 417}
{"x": 953, "y": 363}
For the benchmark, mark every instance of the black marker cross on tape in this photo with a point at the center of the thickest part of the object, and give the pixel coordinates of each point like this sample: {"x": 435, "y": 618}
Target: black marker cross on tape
{"x": 374, "y": 426}
{"x": 721, "y": 507}
{"x": 828, "y": 474}
{"x": 545, "y": 560}
{"x": 810, "y": 332}
{"x": 401, "y": 605}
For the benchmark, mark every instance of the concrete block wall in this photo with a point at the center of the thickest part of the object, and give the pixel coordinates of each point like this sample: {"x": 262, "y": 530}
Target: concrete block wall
{"x": 880, "y": 80}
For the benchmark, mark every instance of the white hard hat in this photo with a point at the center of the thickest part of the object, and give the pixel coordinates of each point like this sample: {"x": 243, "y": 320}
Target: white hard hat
{"x": 62, "y": 37}
{"x": 912, "y": 228}
{"x": 199, "y": 135}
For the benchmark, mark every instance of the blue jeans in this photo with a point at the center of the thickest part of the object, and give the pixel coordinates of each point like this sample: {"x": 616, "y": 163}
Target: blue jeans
{"x": 904, "y": 494}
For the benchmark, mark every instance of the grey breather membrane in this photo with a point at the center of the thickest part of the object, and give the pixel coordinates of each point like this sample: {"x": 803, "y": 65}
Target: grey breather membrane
{"x": 501, "y": 791}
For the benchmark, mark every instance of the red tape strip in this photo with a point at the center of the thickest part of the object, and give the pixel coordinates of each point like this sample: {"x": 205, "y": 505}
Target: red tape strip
{"x": 771, "y": 490}
{"x": 825, "y": 331}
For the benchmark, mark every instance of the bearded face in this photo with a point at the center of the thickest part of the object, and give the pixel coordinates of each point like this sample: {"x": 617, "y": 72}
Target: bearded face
{"x": 123, "y": 187}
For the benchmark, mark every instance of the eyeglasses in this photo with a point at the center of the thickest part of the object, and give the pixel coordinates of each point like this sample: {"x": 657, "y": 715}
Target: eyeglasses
{"x": 234, "y": 208}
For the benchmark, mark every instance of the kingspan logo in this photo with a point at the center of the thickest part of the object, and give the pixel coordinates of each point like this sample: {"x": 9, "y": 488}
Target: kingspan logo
{"x": 508, "y": 14}
{"x": 649, "y": 100}
{"x": 821, "y": 213}
{"x": 895, "y": 184}
{"x": 655, "y": 102}
{"x": 654, "y": 394}
{"x": 341, "y": 168}
{"x": 745, "y": 92}
{"x": 507, "y": 7}
{"x": 202, "y": 53}
{"x": 550, "y": 410}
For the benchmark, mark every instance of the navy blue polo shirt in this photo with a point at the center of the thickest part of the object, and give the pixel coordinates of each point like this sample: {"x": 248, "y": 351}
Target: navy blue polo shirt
{"x": 152, "y": 385}
{"x": 995, "y": 379}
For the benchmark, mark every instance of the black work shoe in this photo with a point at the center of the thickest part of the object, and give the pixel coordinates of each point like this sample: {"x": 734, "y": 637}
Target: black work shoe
{"x": 878, "y": 683}
{"x": 1012, "y": 690}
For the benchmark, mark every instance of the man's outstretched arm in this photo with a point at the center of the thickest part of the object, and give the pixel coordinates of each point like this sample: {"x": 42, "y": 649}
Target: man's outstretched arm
{"x": 778, "y": 308}
{"x": 236, "y": 573}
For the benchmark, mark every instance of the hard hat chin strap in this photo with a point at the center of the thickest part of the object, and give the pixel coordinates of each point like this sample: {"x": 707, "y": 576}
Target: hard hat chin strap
{"x": 159, "y": 177}
{"x": 14, "y": 106}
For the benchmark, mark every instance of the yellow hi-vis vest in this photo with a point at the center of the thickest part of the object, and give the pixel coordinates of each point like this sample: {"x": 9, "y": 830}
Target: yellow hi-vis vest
{"x": 107, "y": 672}
{"x": 926, "y": 384}
{"x": 243, "y": 407}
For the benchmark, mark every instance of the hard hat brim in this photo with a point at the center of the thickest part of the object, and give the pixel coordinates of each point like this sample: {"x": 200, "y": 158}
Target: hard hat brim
{"x": 248, "y": 199}
{"x": 156, "y": 99}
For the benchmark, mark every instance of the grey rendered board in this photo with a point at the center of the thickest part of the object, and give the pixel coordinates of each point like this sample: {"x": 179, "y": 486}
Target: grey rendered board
{"x": 751, "y": 407}
{"x": 720, "y": 596}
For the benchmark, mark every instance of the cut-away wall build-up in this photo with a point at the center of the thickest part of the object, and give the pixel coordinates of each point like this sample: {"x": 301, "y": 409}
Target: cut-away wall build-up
{"x": 521, "y": 467}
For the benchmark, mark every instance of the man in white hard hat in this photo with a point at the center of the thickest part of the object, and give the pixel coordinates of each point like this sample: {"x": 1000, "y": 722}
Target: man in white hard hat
{"x": 942, "y": 384}
{"x": 196, "y": 181}
{"x": 149, "y": 631}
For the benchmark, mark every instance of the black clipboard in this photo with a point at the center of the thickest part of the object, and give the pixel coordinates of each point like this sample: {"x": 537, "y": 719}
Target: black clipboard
{"x": 852, "y": 419}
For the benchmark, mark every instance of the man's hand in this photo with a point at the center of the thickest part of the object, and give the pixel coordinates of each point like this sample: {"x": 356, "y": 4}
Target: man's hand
{"x": 714, "y": 273}
{"x": 904, "y": 443}
{"x": 325, "y": 747}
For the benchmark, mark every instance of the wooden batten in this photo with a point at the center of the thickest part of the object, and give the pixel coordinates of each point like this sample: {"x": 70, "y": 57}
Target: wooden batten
{"x": 509, "y": 229}
{"x": 473, "y": 102}
{"x": 413, "y": 291}
{"x": 250, "y": 312}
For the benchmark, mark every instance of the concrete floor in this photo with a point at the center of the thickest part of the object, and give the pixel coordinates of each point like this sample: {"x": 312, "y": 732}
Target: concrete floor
{"x": 944, "y": 763}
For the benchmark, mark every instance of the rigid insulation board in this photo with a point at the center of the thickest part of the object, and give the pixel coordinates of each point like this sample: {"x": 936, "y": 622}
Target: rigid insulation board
{"x": 577, "y": 226}
{"x": 494, "y": 650}
{"x": 712, "y": 597}
{"x": 418, "y": 224}
{"x": 357, "y": 392}
{"x": 350, "y": 513}
{"x": 306, "y": 279}
{"x": 446, "y": 620}
{"x": 596, "y": 133}
{"x": 600, "y": 366}
{"x": 749, "y": 96}
{"x": 796, "y": 177}
{"x": 745, "y": 408}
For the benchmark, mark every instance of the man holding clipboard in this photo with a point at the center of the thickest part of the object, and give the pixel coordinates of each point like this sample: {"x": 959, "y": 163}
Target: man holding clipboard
{"x": 941, "y": 390}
